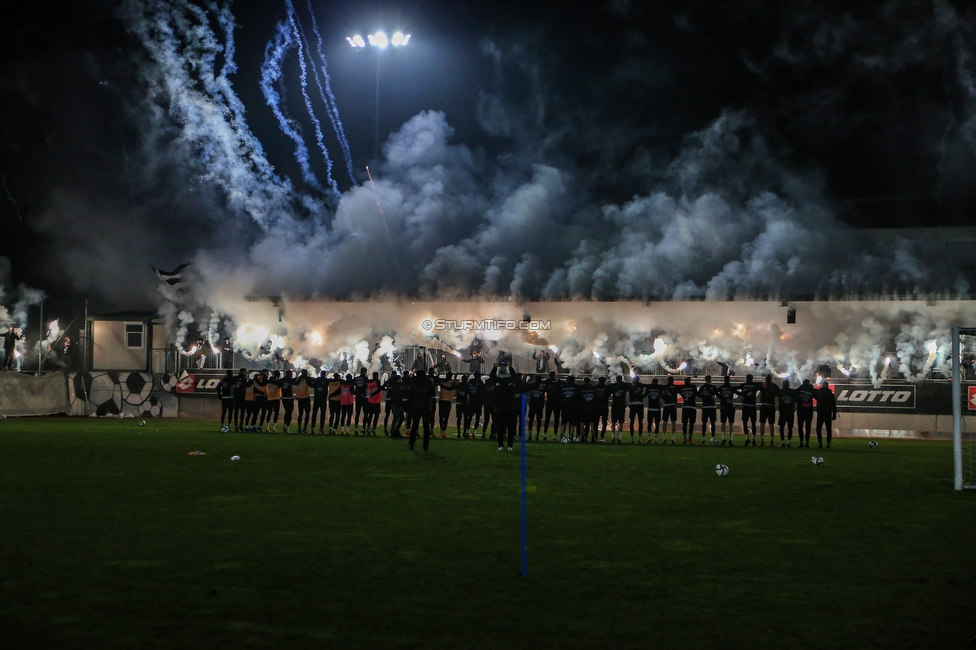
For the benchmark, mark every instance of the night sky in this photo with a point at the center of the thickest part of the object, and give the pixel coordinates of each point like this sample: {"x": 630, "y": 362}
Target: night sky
{"x": 864, "y": 117}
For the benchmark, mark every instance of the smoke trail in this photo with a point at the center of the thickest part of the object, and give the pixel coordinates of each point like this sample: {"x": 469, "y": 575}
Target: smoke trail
{"x": 386, "y": 227}
{"x": 274, "y": 54}
{"x": 301, "y": 47}
{"x": 10, "y": 197}
{"x": 234, "y": 159}
{"x": 332, "y": 107}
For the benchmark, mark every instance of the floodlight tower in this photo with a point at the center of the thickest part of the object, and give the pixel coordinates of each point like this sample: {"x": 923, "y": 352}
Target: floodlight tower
{"x": 380, "y": 41}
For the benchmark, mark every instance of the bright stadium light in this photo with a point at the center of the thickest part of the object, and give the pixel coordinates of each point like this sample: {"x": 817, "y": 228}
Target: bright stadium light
{"x": 380, "y": 41}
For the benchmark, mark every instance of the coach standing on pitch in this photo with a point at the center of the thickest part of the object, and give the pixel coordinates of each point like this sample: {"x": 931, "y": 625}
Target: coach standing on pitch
{"x": 826, "y": 412}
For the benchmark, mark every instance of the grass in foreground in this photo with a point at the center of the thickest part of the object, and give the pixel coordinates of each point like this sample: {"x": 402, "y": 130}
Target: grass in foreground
{"x": 113, "y": 536}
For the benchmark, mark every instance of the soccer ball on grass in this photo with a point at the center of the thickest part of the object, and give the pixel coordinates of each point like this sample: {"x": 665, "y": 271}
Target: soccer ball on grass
{"x": 235, "y": 458}
{"x": 817, "y": 460}
{"x": 722, "y": 470}
{"x": 872, "y": 444}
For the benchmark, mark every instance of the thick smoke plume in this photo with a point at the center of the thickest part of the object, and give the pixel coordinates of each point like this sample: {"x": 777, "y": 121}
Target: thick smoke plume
{"x": 726, "y": 216}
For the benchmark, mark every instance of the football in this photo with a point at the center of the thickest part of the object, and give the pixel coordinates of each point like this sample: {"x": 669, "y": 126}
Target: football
{"x": 817, "y": 460}
{"x": 225, "y": 428}
{"x": 872, "y": 444}
{"x": 722, "y": 470}
{"x": 565, "y": 440}
{"x": 235, "y": 458}
{"x": 142, "y": 423}
{"x": 714, "y": 442}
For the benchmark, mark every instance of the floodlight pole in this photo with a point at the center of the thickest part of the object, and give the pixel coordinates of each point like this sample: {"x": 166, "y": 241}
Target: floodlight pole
{"x": 956, "y": 411}
{"x": 524, "y": 544}
{"x": 376, "y": 118}
{"x": 40, "y": 338}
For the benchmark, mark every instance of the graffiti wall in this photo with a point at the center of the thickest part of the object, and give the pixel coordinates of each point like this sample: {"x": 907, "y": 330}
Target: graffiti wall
{"x": 129, "y": 394}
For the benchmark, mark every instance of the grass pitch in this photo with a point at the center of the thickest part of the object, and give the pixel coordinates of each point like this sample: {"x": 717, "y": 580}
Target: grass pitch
{"x": 112, "y": 536}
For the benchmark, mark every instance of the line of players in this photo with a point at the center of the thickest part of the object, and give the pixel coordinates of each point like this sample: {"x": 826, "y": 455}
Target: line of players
{"x": 580, "y": 411}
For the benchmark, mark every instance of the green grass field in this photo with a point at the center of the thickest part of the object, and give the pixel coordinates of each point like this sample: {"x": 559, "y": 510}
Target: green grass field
{"x": 112, "y": 536}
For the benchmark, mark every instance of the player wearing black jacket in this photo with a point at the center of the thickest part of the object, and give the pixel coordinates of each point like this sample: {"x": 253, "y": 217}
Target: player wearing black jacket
{"x": 826, "y": 412}
{"x": 287, "y": 385}
{"x": 726, "y": 397}
{"x": 225, "y": 392}
{"x": 768, "y": 397}
{"x": 635, "y": 401}
{"x": 537, "y": 403}
{"x": 421, "y": 392}
{"x": 359, "y": 391}
{"x": 602, "y": 406}
{"x": 570, "y": 408}
{"x": 476, "y": 390}
{"x": 619, "y": 393}
{"x": 588, "y": 411}
{"x": 748, "y": 391}
{"x": 805, "y": 395}
{"x": 689, "y": 410}
{"x": 461, "y": 403}
{"x": 239, "y": 389}
{"x": 669, "y": 407}
{"x": 507, "y": 386}
{"x": 554, "y": 400}
{"x": 707, "y": 393}
{"x": 654, "y": 394}
{"x": 786, "y": 399}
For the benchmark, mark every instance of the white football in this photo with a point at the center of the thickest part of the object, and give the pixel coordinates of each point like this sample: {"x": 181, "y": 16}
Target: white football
{"x": 225, "y": 428}
{"x": 817, "y": 460}
{"x": 235, "y": 457}
{"x": 714, "y": 442}
{"x": 3, "y": 417}
{"x": 872, "y": 444}
{"x": 142, "y": 423}
{"x": 565, "y": 440}
{"x": 722, "y": 470}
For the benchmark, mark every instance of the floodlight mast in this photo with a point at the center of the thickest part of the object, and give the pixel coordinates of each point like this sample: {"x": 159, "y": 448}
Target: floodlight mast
{"x": 380, "y": 41}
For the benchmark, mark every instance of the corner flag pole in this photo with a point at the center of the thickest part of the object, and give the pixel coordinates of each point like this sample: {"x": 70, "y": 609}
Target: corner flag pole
{"x": 522, "y": 432}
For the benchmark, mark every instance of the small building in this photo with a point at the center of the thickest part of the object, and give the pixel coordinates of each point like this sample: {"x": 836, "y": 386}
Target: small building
{"x": 131, "y": 341}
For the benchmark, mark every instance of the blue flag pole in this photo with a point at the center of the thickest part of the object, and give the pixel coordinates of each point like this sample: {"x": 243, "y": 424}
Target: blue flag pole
{"x": 524, "y": 544}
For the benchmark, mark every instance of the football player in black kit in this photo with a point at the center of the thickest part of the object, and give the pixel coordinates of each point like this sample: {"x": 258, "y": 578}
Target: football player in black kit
{"x": 225, "y": 391}
{"x": 748, "y": 391}
{"x": 805, "y": 395}
{"x": 669, "y": 408}
{"x": 488, "y": 401}
{"x": 707, "y": 393}
{"x": 602, "y": 407}
{"x": 654, "y": 395}
{"x": 421, "y": 391}
{"x": 635, "y": 399}
{"x": 570, "y": 408}
{"x": 537, "y": 403}
{"x": 287, "y": 384}
{"x": 726, "y": 397}
{"x": 587, "y": 413}
{"x": 554, "y": 400}
{"x": 359, "y": 390}
{"x": 506, "y": 387}
{"x": 768, "y": 397}
{"x": 787, "y": 406}
{"x": 826, "y": 412}
{"x": 476, "y": 389}
{"x": 461, "y": 405}
{"x": 689, "y": 410}
{"x": 619, "y": 394}
{"x": 240, "y": 390}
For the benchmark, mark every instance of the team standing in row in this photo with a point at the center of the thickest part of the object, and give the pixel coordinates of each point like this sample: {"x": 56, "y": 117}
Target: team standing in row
{"x": 579, "y": 411}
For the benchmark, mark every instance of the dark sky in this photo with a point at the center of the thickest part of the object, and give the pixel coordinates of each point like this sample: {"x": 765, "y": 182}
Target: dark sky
{"x": 873, "y": 105}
